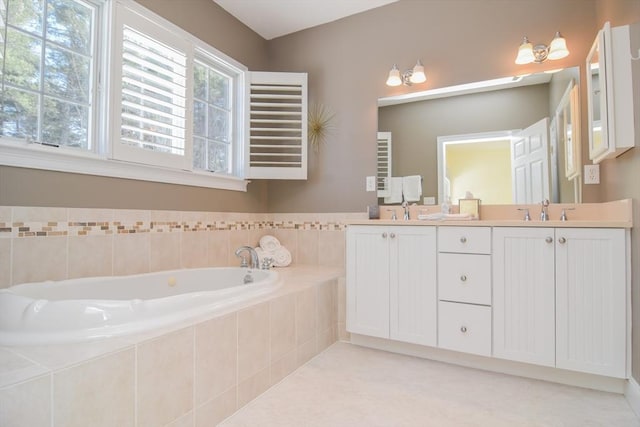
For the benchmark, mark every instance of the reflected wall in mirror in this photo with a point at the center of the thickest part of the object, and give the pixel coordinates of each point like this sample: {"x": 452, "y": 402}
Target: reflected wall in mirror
{"x": 416, "y": 124}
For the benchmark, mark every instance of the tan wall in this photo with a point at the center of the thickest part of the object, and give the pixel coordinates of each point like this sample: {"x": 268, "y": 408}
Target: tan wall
{"x": 619, "y": 177}
{"x": 209, "y": 22}
{"x": 348, "y": 61}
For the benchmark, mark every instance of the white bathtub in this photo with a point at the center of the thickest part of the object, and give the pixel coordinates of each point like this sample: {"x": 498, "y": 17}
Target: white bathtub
{"x": 98, "y": 307}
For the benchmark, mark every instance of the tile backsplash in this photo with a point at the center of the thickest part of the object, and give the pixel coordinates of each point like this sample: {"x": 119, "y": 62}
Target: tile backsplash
{"x": 41, "y": 243}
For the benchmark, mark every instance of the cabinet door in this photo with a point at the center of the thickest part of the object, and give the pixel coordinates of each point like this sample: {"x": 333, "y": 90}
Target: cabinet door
{"x": 413, "y": 298}
{"x": 368, "y": 280}
{"x": 523, "y": 295}
{"x": 591, "y": 300}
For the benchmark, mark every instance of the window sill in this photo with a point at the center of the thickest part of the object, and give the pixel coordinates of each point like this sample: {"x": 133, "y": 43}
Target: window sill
{"x": 66, "y": 160}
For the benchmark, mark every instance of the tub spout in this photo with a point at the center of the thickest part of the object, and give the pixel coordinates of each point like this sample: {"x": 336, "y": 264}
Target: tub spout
{"x": 255, "y": 262}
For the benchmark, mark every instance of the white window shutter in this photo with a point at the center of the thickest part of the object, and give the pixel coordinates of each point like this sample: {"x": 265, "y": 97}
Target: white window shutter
{"x": 277, "y": 145}
{"x": 383, "y": 163}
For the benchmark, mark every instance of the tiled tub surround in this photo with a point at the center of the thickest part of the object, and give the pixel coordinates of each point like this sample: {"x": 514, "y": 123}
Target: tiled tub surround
{"x": 63, "y": 243}
{"x": 192, "y": 374}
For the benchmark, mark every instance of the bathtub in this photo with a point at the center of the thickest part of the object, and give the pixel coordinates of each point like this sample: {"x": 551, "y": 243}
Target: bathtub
{"x": 78, "y": 310}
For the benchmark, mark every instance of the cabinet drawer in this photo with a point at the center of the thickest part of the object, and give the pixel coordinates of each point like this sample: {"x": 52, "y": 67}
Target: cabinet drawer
{"x": 471, "y": 240}
{"x": 464, "y": 278}
{"x": 464, "y": 327}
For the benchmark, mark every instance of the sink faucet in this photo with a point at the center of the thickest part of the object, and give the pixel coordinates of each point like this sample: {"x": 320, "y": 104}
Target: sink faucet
{"x": 255, "y": 262}
{"x": 405, "y": 205}
{"x": 544, "y": 213}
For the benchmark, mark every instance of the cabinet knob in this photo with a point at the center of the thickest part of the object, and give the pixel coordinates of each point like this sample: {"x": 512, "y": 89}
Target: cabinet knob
{"x": 392, "y": 235}
{"x": 562, "y": 240}
{"x": 463, "y": 239}
{"x": 548, "y": 239}
{"x": 463, "y": 329}
{"x": 463, "y": 278}
{"x": 384, "y": 235}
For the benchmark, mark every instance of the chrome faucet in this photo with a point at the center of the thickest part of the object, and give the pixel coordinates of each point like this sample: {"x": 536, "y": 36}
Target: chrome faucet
{"x": 255, "y": 262}
{"x": 544, "y": 213}
{"x": 405, "y": 205}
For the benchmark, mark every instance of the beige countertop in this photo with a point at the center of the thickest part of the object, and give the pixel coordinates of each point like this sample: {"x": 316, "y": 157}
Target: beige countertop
{"x": 616, "y": 214}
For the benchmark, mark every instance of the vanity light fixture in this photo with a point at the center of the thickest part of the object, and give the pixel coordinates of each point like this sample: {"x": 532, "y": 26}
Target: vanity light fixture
{"x": 416, "y": 75}
{"x": 539, "y": 53}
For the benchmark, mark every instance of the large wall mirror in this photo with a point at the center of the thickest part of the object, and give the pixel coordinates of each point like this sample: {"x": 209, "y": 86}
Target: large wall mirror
{"x": 476, "y": 137}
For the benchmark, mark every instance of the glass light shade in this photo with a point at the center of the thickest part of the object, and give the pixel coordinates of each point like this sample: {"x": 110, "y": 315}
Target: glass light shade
{"x": 558, "y": 48}
{"x": 394, "y": 77}
{"x": 525, "y": 53}
{"x": 418, "y": 75}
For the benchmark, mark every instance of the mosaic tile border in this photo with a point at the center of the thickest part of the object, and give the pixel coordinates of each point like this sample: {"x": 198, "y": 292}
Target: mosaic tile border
{"x": 105, "y": 228}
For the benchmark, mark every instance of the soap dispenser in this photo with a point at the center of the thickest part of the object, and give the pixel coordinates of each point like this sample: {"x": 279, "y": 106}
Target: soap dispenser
{"x": 446, "y": 206}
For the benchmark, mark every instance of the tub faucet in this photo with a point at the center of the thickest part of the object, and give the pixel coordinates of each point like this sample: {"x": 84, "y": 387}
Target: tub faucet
{"x": 255, "y": 262}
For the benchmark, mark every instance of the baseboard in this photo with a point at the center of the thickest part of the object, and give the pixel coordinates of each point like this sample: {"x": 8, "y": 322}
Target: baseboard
{"x": 556, "y": 375}
{"x": 632, "y": 394}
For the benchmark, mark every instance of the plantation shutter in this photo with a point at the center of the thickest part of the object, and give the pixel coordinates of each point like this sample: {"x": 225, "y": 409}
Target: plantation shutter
{"x": 383, "y": 163}
{"x": 151, "y": 102}
{"x": 277, "y": 146}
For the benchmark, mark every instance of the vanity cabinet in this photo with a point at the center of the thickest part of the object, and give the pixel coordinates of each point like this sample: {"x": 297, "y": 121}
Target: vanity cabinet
{"x": 391, "y": 282}
{"x": 464, "y": 289}
{"x": 559, "y": 298}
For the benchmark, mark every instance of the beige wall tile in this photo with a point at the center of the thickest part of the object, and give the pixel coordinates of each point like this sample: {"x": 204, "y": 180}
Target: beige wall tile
{"x": 90, "y": 256}
{"x": 5, "y": 263}
{"x": 331, "y": 248}
{"x": 165, "y": 216}
{"x": 307, "y": 247}
{"x": 342, "y": 300}
{"x": 132, "y": 216}
{"x": 96, "y": 393}
{"x": 288, "y": 239}
{"x": 325, "y": 339}
{"x": 306, "y": 351}
{"x": 186, "y": 420}
{"x": 237, "y": 238}
{"x": 218, "y": 248}
{"x": 90, "y": 215}
{"x": 283, "y": 326}
{"x": 306, "y": 314}
{"x": 343, "y": 335}
{"x": 253, "y": 387}
{"x": 39, "y": 258}
{"x": 253, "y": 340}
{"x": 283, "y": 367}
{"x": 255, "y": 235}
{"x": 326, "y": 306}
{"x": 164, "y": 251}
{"x": 130, "y": 253}
{"x": 34, "y": 395}
{"x": 217, "y": 409}
{"x": 39, "y": 214}
{"x": 5, "y": 214}
{"x": 15, "y": 368}
{"x": 216, "y": 357}
{"x": 165, "y": 378}
{"x": 194, "y": 245}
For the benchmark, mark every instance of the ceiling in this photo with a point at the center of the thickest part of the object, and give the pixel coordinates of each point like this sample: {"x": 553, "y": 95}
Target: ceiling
{"x": 275, "y": 18}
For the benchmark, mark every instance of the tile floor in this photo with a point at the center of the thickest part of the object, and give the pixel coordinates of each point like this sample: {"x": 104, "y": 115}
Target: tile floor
{"x": 352, "y": 386}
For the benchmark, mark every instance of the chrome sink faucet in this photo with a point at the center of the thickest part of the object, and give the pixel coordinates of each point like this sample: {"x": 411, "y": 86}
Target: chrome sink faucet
{"x": 405, "y": 206}
{"x": 255, "y": 262}
{"x": 544, "y": 213}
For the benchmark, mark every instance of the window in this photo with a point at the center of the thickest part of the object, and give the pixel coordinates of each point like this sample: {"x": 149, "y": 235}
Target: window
{"x": 48, "y": 71}
{"x": 108, "y": 88}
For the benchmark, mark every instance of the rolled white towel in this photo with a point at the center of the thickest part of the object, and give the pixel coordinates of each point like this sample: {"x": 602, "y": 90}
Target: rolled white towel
{"x": 281, "y": 257}
{"x": 269, "y": 243}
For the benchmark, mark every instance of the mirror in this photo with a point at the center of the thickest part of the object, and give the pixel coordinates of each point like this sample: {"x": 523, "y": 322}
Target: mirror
{"x": 465, "y": 115}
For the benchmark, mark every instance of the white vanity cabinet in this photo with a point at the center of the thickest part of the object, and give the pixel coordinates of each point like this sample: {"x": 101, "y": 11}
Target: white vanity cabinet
{"x": 559, "y": 298}
{"x": 524, "y": 294}
{"x": 391, "y": 282}
{"x": 464, "y": 289}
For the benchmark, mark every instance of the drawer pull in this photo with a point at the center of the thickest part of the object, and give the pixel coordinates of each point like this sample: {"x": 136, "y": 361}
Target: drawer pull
{"x": 392, "y": 235}
{"x": 463, "y": 239}
{"x": 562, "y": 240}
{"x": 548, "y": 240}
{"x": 384, "y": 235}
{"x": 463, "y": 278}
{"x": 463, "y": 329}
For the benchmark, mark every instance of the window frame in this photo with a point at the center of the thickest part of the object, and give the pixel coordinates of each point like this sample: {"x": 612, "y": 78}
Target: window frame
{"x": 101, "y": 162}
